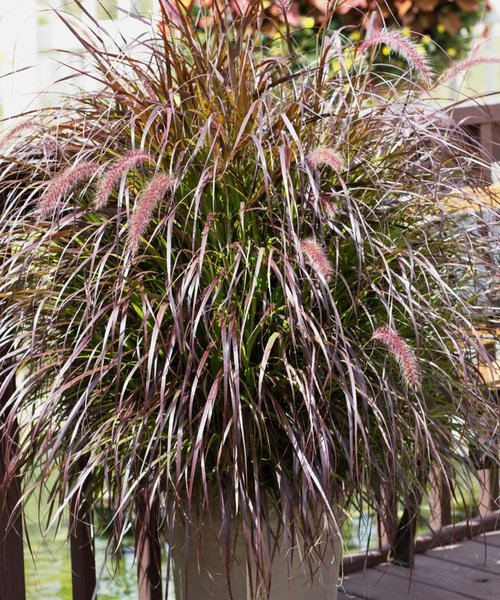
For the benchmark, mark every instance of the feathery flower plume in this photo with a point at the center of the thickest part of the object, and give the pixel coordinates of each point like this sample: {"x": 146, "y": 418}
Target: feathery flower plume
{"x": 119, "y": 168}
{"x": 327, "y": 205}
{"x": 465, "y": 65}
{"x": 403, "y": 354}
{"x": 283, "y": 5}
{"x": 12, "y": 132}
{"x": 144, "y": 207}
{"x": 406, "y": 48}
{"x": 325, "y": 156}
{"x": 63, "y": 184}
{"x": 316, "y": 257}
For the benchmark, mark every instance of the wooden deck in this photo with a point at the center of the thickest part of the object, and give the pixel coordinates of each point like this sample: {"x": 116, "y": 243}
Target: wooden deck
{"x": 468, "y": 569}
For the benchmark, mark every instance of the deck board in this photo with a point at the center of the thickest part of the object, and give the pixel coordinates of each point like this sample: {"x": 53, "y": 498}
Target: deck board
{"x": 474, "y": 554}
{"x": 492, "y": 538}
{"x": 470, "y": 569}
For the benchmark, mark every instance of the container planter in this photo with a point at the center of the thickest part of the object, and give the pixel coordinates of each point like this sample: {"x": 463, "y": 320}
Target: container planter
{"x": 200, "y": 571}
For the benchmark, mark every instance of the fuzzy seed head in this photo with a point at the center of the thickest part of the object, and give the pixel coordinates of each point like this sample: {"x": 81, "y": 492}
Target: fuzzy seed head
{"x": 325, "y": 156}
{"x": 404, "y": 47}
{"x": 119, "y": 168}
{"x": 63, "y": 184}
{"x": 9, "y": 136}
{"x": 326, "y": 204}
{"x": 144, "y": 207}
{"x": 316, "y": 256}
{"x": 464, "y": 65}
{"x": 402, "y": 353}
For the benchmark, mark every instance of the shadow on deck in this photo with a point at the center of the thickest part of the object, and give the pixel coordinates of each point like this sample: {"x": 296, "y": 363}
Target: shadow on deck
{"x": 468, "y": 569}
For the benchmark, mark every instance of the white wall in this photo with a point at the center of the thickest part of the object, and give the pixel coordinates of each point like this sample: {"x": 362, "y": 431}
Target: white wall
{"x": 29, "y": 33}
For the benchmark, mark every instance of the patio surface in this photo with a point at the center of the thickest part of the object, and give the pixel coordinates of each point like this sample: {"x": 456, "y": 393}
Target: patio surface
{"x": 469, "y": 569}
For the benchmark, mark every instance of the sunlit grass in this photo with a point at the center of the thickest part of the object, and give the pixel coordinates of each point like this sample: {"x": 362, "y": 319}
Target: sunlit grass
{"x": 271, "y": 312}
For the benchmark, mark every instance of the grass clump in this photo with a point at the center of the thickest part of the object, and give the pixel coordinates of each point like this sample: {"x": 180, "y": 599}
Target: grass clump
{"x": 236, "y": 285}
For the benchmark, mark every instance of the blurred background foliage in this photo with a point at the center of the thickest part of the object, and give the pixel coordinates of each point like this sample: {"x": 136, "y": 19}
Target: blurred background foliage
{"x": 445, "y": 29}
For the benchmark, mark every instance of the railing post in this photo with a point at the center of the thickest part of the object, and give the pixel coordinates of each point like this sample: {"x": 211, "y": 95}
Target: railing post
{"x": 148, "y": 552}
{"x": 12, "y": 583}
{"x": 387, "y": 519}
{"x": 83, "y": 570}
{"x": 488, "y": 490}
{"x": 400, "y": 536}
{"x": 489, "y": 138}
{"x": 439, "y": 500}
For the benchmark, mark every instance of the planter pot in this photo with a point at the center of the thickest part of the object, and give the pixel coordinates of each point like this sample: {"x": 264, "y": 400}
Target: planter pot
{"x": 200, "y": 573}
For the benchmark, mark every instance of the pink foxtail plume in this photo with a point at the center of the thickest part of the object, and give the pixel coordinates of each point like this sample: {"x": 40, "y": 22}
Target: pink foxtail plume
{"x": 465, "y": 65}
{"x": 144, "y": 207}
{"x": 407, "y": 49}
{"x": 119, "y": 168}
{"x": 316, "y": 257}
{"x": 11, "y": 133}
{"x": 325, "y": 156}
{"x": 63, "y": 184}
{"x": 328, "y": 207}
{"x": 283, "y": 5}
{"x": 403, "y": 354}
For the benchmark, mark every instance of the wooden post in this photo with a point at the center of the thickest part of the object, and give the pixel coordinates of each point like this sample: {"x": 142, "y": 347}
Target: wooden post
{"x": 83, "y": 572}
{"x": 12, "y": 584}
{"x": 488, "y": 490}
{"x": 400, "y": 536}
{"x": 402, "y": 552}
{"x": 387, "y": 520}
{"x": 440, "y": 500}
{"x": 148, "y": 552}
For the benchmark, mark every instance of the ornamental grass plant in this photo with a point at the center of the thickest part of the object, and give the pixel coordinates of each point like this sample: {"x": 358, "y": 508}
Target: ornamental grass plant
{"x": 234, "y": 287}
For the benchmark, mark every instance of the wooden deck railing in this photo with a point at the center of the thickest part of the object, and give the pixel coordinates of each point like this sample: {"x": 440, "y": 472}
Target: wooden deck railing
{"x": 396, "y": 538}
{"x": 402, "y": 544}
{"x": 481, "y": 120}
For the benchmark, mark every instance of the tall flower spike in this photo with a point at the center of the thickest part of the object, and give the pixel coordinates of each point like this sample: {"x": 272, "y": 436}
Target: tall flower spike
{"x": 316, "y": 257}
{"x": 11, "y": 133}
{"x": 144, "y": 207}
{"x": 407, "y": 49}
{"x": 63, "y": 184}
{"x": 325, "y": 156}
{"x": 119, "y": 168}
{"x": 465, "y": 65}
{"x": 403, "y": 354}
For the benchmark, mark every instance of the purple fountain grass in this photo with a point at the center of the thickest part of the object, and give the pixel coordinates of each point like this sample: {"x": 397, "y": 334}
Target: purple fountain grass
{"x": 63, "y": 184}
{"x": 329, "y": 208}
{"x": 407, "y": 49}
{"x": 403, "y": 354}
{"x": 464, "y": 65}
{"x": 205, "y": 344}
{"x": 171, "y": 11}
{"x": 11, "y": 133}
{"x": 325, "y": 156}
{"x": 283, "y": 5}
{"x": 119, "y": 168}
{"x": 316, "y": 256}
{"x": 144, "y": 207}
